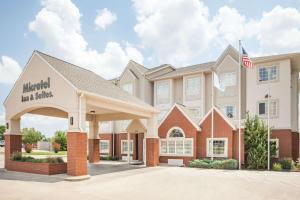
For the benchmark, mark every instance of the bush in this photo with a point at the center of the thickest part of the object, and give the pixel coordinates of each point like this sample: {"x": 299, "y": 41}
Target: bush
{"x": 113, "y": 158}
{"x": 297, "y": 165}
{"x": 60, "y": 137}
{"x": 286, "y": 163}
{"x": 215, "y": 164}
{"x": 31, "y": 136}
{"x": 20, "y": 158}
{"x": 277, "y": 167}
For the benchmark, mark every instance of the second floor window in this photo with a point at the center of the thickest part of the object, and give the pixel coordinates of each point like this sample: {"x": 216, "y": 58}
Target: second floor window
{"x": 263, "y": 108}
{"x": 162, "y": 93}
{"x": 193, "y": 88}
{"x": 229, "y": 111}
{"x": 228, "y": 79}
{"x": 268, "y": 73}
{"x": 128, "y": 87}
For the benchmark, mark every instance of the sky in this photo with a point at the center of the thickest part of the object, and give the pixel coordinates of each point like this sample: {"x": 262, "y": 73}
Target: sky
{"x": 104, "y": 35}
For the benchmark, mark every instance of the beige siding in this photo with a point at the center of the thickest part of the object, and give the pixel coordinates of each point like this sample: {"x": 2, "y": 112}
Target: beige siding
{"x": 178, "y": 84}
{"x": 208, "y": 85}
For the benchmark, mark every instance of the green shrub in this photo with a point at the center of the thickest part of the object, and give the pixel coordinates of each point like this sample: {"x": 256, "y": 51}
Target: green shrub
{"x": 215, "y": 164}
{"x": 113, "y": 158}
{"x": 297, "y": 165}
{"x": 20, "y": 158}
{"x": 277, "y": 167}
{"x": 286, "y": 163}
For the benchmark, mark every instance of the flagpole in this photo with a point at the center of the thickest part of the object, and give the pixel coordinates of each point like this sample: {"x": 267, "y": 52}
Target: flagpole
{"x": 212, "y": 116}
{"x": 240, "y": 83}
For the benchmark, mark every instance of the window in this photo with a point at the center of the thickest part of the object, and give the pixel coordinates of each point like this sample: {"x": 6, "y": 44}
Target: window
{"x": 105, "y": 127}
{"x": 192, "y": 88}
{"x": 274, "y": 143}
{"x": 162, "y": 93}
{"x": 268, "y": 73}
{"x": 176, "y": 144}
{"x": 128, "y": 88}
{"x": 124, "y": 146}
{"x": 229, "y": 111}
{"x": 228, "y": 79}
{"x": 263, "y": 108}
{"x": 104, "y": 146}
{"x": 220, "y": 147}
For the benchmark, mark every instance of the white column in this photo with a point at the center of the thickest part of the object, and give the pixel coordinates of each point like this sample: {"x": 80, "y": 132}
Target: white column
{"x": 93, "y": 129}
{"x": 152, "y": 127}
{"x": 128, "y": 147}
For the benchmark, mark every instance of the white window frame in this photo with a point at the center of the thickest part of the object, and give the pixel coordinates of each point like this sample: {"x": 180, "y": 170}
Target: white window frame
{"x": 176, "y": 140}
{"x": 224, "y": 76}
{"x": 268, "y": 67}
{"x": 225, "y": 111}
{"x": 266, "y": 108}
{"x": 106, "y": 151}
{"x": 276, "y": 140}
{"x": 208, "y": 153}
{"x": 122, "y": 145}
{"x": 170, "y": 99}
{"x": 125, "y": 85}
{"x": 185, "y": 81}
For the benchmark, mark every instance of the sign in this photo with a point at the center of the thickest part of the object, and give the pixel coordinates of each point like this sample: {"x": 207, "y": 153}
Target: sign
{"x": 39, "y": 89}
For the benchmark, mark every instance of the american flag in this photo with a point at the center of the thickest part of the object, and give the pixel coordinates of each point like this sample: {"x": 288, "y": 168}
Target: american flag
{"x": 246, "y": 60}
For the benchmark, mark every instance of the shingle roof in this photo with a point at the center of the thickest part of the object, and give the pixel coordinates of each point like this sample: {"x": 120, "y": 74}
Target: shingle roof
{"x": 89, "y": 81}
{"x": 186, "y": 70}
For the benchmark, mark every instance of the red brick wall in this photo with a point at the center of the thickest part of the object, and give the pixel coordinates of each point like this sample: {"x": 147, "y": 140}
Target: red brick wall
{"x": 140, "y": 146}
{"x": 13, "y": 143}
{"x": 94, "y": 155}
{"x": 152, "y": 154}
{"x": 221, "y": 129}
{"x": 37, "y": 168}
{"x": 77, "y": 153}
{"x": 177, "y": 119}
{"x": 288, "y": 143}
{"x": 108, "y": 136}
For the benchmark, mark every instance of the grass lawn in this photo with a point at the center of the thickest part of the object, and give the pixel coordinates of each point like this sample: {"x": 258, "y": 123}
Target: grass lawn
{"x": 45, "y": 153}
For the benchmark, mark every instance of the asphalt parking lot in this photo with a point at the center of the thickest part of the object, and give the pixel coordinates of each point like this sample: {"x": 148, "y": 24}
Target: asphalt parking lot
{"x": 113, "y": 180}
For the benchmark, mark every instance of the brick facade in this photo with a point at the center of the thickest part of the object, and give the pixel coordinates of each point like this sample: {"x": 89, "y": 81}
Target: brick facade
{"x": 13, "y": 143}
{"x": 94, "y": 156}
{"x": 152, "y": 152}
{"x": 77, "y": 153}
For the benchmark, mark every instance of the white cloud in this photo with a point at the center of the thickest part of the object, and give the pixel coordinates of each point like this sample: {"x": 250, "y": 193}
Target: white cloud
{"x": 177, "y": 30}
{"x": 58, "y": 25}
{"x": 278, "y": 30}
{"x": 9, "y": 70}
{"x": 105, "y": 18}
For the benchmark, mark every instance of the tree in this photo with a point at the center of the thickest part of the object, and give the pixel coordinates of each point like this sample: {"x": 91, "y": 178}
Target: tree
{"x": 60, "y": 137}
{"x": 31, "y": 136}
{"x": 256, "y": 143}
{"x": 2, "y": 131}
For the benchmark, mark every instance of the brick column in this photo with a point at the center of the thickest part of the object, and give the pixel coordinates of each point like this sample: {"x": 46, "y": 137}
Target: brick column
{"x": 77, "y": 153}
{"x": 94, "y": 153}
{"x": 13, "y": 144}
{"x": 152, "y": 155}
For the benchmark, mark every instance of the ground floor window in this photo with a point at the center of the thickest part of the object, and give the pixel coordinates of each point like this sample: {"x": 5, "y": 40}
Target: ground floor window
{"x": 176, "y": 147}
{"x": 124, "y": 146}
{"x": 220, "y": 147}
{"x": 104, "y": 146}
{"x": 275, "y": 143}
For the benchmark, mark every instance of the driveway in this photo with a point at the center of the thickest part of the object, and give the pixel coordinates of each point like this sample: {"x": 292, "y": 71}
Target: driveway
{"x": 112, "y": 180}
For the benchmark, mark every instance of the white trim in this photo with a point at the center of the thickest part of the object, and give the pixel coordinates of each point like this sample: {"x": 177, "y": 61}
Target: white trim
{"x": 108, "y": 145}
{"x": 208, "y": 153}
{"x": 175, "y": 127}
{"x": 125, "y": 152}
{"x": 192, "y": 102}
{"x": 167, "y": 140}
{"x": 169, "y": 112}
{"x": 221, "y": 114}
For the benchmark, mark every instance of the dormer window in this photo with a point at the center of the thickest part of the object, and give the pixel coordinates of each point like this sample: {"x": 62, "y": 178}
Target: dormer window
{"x": 128, "y": 87}
{"x": 267, "y": 74}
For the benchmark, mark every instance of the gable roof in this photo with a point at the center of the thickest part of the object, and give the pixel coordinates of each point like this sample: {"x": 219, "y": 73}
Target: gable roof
{"x": 89, "y": 81}
{"x": 230, "y": 50}
{"x": 221, "y": 114}
{"x": 188, "y": 113}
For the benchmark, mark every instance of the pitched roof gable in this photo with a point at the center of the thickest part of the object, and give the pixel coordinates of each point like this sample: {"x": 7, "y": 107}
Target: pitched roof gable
{"x": 89, "y": 81}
